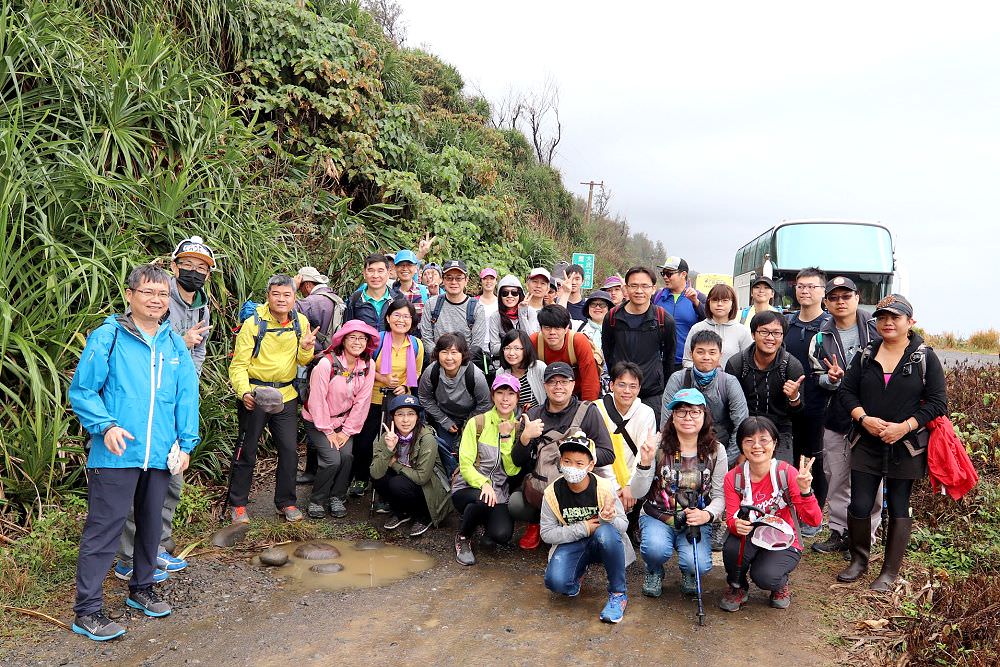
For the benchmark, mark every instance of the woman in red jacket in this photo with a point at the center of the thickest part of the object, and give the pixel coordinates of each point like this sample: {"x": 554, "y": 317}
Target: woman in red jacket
{"x": 765, "y": 501}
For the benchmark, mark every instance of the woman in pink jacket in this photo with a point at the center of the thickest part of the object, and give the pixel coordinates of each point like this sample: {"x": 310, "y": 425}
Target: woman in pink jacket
{"x": 340, "y": 391}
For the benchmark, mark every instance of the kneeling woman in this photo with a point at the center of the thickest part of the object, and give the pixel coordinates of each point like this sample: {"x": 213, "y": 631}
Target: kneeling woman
{"x": 764, "y": 542}
{"x": 681, "y": 485}
{"x": 403, "y": 469}
{"x": 480, "y": 490}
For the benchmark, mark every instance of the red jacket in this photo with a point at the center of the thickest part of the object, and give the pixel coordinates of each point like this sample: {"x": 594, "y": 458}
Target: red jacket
{"x": 588, "y": 376}
{"x": 948, "y": 462}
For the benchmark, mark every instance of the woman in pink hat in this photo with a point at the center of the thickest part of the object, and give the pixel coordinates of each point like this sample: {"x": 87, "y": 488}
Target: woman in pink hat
{"x": 340, "y": 389}
{"x": 488, "y": 297}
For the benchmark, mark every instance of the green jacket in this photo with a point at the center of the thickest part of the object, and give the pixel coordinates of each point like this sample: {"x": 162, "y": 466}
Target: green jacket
{"x": 423, "y": 461}
{"x": 485, "y": 456}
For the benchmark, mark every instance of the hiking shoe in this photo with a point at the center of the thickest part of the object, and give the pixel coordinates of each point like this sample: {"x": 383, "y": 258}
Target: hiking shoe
{"x": 576, "y": 590}
{"x": 357, "y": 488}
{"x": 337, "y": 508}
{"x": 418, "y": 528}
{"x": 305, "y": 478}
{"x": 719, "y": 534}
{"x": 615, "y": 608}
{"x": 734, "y": 598}
{"x": 836, "y": 542}
{"x": 652, "y": 584}
{"x": 689, "y": 586}
{"x": 124, "y": 572}
{"x": 395, "y": 522}
{"x": 809, "y": 531}
{"x": 149, "y": 602}
{"x": 168, "y": 563}
{"x": 780, "y": 599}
{"x": 97, "y": 626}
{"x": 291, "y": 513}
{"x": 316, "y": 511}
{"x": 463, "y": 550}
{"x": 532, "y": 537}
{"x": 382, "y": 507}
{"x": 239, "y": 515}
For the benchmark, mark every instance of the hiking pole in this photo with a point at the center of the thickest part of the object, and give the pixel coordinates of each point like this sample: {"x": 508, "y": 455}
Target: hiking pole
{"x": 744, "y": 514}
{"x": 692, "y": 530}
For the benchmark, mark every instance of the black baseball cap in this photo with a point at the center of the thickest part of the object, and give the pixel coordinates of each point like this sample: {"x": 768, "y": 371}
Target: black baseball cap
{"x": 894, "y": 303}
{"x": 763, "y": 279}
{"x": 840, "y": 282}
{"x": 558, "y": 369}
{"x": 454, "y": 264}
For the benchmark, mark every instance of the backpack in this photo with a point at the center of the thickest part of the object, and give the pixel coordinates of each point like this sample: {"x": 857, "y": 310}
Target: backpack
{"x": 918, "y": 356}
{"x": 570, "y": 344}
{"x": 470, "y": 321}
{"x": 745, "y": 368}
{"x": 449, "y": 461}
{"x": 470, "y": 378}
{"x": 338, "y": 369}
{"x": 414, "y": 343}
{"x": 336, "y": 319}
{"x": 546, "y": 456}
{"x": 783, "y": 485}
{"x": 598, "y": 352}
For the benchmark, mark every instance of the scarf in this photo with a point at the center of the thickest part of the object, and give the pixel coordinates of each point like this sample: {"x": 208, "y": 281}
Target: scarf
{"x": 704, "y": 379}
{"x": 385, "y": 367}
{"x": 510, "y": 313}
{"x": 403, "y": 448}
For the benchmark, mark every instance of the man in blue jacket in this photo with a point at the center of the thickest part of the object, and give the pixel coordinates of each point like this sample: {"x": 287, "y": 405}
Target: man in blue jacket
{"x": 135, "y": 391}
{"x": 683, "y": 303}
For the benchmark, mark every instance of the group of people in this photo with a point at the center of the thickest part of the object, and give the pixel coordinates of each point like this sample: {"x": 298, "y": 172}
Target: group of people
{"x": 663, "y": 419}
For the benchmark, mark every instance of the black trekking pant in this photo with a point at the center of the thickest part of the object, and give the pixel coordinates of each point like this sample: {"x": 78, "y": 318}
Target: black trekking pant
{"x": 405, "y": 497}
{"x": 284, "y": 432}
{"x": 864, "y": 488}
{"x": 769, "y": 570}
{"x": 807, "y": 440}
{"x": 498, "y": 524}
{"x": 364, "y": 443}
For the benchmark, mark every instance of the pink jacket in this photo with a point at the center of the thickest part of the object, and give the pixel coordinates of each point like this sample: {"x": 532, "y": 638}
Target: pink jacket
{"x": 337, "y": 402}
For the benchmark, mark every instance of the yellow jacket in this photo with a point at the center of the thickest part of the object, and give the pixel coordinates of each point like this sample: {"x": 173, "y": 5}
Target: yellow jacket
{"x": 279, "y": 357}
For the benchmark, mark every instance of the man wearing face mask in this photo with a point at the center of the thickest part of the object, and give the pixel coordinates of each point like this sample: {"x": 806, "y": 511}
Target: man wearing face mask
{"x": 188, "y": 314}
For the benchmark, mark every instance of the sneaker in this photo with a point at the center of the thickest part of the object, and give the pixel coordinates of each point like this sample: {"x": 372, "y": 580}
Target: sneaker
{"x": 532, "y": 537}
{"x": 576, "y": 590}
{"x": 463, "y": 550}
{"x": 689, "y": 586}
{"x": 168, "y": 563}
{"x": 97, "y": 626}
{"x": 395, "y": 522}
{"x": 418, "y": 528}
{"x": 124, "y": 572}
{"x": 337, "y": 508}
{"x": 734, "y": 599}
{"x": 291, "y": 513}
{"x": 836, "y": 542}
{"x": 357, "y": 488}
{"x": 615, "y": 608}
{"x": 652, "y": 584}
{"x": 382, "y": 507}
{"x": 316, "y": 511}
{"x": 719, "y": 534}
{"x": 780, "y": 599}
{"x": 239, "y": 515}
{"x": 809, "y": 531}
{"x": 149, "y": 602}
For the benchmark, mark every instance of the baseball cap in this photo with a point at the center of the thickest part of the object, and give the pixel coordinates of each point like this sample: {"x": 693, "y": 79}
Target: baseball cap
{"x": 558, "y": 369}
{"x": 194, "y": 247}
{"x": 578, "y": 442}
{"x": 488, "y": 271}
{"x": 311, "y": 275}
{"x": 453, "y": 264}
{"x": 269, "y": 400}
{"x": 763, "y": 279}
{"x": 403, "y": 401}
{"x": 506, "y": 380}
{"x": 539, "y": 272}
{"x": 613, "y": 281}
{"x": 434, "y": 267}
{"x": 405, "y": 256}
{"x": 896, "y": 304}
{"x": 840, "y": 282}
{"x": 673, "y": 263}
{"x": 689, "y": 396}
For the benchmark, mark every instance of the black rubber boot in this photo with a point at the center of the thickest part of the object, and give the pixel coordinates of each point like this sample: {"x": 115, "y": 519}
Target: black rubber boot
{"x": 895, "y": 549}
{"x": 859, "y": 545}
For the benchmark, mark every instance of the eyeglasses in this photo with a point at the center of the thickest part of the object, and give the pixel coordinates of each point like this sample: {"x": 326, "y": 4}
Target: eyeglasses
{"x": 149, "y": 294}
{"x": 639, "y": 288}
{"x": 356, "y": 339}
{"x": 513, "y": 348}
{"x": 807, "y": 288}
{"x": 455, "y": 279}
{"x": 727, "y": 300}
{"x": 840, "y": 297}
{"x": 627, "y": 386}
{"x": 507, "y": 293}
{"x": 600, "y": 305}
{"x": 191, "y": 266}
{"x": 689, "y": 413}
{"x": 400, "y": 315}
{"x": 767, "y": 333}
{"x": 763, "y": 442}
{"x": 559, "y": 382}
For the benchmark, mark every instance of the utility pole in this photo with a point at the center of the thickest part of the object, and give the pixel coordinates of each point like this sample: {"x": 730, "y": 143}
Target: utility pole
{"x": 590, "y": 199}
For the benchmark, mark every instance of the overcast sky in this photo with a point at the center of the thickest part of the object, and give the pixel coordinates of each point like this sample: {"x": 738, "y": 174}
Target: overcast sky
{"x": 710, "y": 122}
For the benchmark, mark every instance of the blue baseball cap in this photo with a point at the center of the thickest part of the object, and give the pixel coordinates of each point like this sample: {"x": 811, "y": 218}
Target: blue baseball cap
{"x": 689, "y": 396}
{"x": 404, "y": 401}
{"x": 405, "y": 256}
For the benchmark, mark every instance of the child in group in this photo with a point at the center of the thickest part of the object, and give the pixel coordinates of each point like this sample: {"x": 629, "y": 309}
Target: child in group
{"x": 585, "y": 522}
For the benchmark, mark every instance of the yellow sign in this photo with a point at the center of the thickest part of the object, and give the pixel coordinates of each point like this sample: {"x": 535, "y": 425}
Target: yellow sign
{"x": 706, "y": 281}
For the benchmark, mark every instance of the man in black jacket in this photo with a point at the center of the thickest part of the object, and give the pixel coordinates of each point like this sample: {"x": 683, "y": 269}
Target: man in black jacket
{"x": 766, "y": 371}
{"x": 643, "y": 333}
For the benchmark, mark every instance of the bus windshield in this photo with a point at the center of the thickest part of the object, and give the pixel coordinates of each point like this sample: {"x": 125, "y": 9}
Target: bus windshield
{"x": 837, "y": 247}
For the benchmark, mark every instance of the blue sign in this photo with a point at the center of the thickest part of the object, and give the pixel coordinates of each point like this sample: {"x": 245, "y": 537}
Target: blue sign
{"x": 586, "y": 260}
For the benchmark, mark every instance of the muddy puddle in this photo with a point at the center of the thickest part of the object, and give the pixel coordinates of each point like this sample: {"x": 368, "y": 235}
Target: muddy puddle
{"x": 314, "y": 565}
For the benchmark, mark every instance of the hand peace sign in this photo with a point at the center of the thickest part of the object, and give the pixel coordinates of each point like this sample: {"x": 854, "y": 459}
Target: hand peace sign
{"x": 391, "y": 439}
{"x": 309, "y": 339}
{"x": 833, "y": 370}
{"x": 805, "y": 473}
{"x": 424, "y": 246}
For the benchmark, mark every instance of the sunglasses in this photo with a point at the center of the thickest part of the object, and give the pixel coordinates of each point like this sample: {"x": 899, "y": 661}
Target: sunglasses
{"x": 508, "y": 292}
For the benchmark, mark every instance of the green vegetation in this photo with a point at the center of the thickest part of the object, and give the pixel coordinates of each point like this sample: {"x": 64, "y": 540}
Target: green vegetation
{"x": 986, "y": 341}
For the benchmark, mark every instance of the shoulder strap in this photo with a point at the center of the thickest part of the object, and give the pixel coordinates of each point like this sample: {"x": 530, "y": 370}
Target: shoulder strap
{"x": 572, "y": 347}
{"x": 866, "y": 355}
{"x": 783, "y": 481}
{"x": 480, "y": 424}
{"x": 436, "y": 312}
{"x": 470, "y": 312}
{"x": 435, "y": 371}
{"x": 540, "y": 347}
{"x": 261, "y": 332}
{"x": 660, "y": 315}
{"x": 688, "y": 379}
{"x": 470, "y": 380}
{"x": 581, "y": 412}
{"x": 336, "y": 317}
{"x": 609, "y": 407}
{"x": 381, "y": 342}
{"x": 738, "y": 484}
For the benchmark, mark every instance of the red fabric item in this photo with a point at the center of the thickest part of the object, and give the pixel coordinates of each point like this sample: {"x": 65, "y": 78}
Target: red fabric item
{"x": 807, "y": 508}
{"x": 588, "y": 376}
{"x": 948, "y": 462}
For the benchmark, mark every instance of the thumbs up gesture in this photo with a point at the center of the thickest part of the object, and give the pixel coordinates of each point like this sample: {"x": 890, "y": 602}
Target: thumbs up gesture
{"x": 309, "y": 339}
{"x": 533, "y": 428}
{"x": 792, "y": 388}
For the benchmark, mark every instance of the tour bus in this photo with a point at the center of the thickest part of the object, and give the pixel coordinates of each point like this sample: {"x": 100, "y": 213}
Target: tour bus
{"x": 862, "y": 251}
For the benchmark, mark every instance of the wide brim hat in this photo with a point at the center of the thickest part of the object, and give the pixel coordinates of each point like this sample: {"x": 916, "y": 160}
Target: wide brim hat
{"x": 352, "y": 326}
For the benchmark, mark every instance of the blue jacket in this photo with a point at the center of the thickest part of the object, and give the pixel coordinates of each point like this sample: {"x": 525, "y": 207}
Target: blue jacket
{"x": 149, "y": 390}
{"x": 685, "y": 315}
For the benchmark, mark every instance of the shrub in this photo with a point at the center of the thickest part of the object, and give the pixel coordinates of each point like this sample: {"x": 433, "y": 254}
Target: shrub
{"x": 988, "y": 340}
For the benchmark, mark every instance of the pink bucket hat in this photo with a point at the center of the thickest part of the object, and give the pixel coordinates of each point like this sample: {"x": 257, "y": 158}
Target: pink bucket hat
{"x": 352, "y": 326}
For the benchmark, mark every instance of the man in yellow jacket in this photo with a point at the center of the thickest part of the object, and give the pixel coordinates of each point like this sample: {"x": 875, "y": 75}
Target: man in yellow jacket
{"x": 269, "y": 348}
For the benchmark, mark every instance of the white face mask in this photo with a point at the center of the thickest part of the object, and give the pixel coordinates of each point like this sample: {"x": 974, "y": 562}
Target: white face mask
{"x": 573, "y": 474}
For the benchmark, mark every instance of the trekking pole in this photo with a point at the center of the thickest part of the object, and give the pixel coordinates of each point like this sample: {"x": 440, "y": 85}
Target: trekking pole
{"x": 692, "y": 530}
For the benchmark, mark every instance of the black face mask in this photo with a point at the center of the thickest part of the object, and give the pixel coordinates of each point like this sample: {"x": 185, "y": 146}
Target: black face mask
{"x": 190, "y": 281}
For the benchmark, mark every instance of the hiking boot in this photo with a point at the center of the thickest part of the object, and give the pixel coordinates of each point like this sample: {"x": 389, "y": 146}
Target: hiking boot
{"x": 652, "y": 584}
{"x": 305, "y": 478}
{"x": 124, "y": 572}
{"x": 614, "y": 610}
{"x": 97, "y": 626}
{"x": 836, "y": 542}
{"x": 895, "y": 549}
{"x": 859, "y": 545}
{"x": 316, "y": 511}
{"x": 149, "y": 602}
{"x": 357, "y": 488}
{"x": 719, "y": 534}
{"x": 291, "y": 513}
{"x": 395, "y": 522}
{"x": 168, "y": 563}
{"x": 338, "y": 508}
{"x": 463, "y": 550}
{"x": 734, "y": 599}
{"x": 689, "y": 585}
{"x": 780, "y": 599}
{"x": 532, "y": 537}
{"x": 418, "y": 528}
{"x": 382, "y": 507}
{"x": 239, "y": 515}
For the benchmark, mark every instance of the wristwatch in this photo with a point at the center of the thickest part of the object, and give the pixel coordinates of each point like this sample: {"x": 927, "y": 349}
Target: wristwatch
{"x": 861, "y": 419}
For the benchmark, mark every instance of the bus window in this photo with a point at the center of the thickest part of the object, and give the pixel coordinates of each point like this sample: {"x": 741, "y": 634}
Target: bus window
{"x": 835, "y": 247}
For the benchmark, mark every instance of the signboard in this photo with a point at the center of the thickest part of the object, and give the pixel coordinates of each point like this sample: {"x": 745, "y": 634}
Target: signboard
{"x": 586, "y": 260}
{"x": 706, "y": 281}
